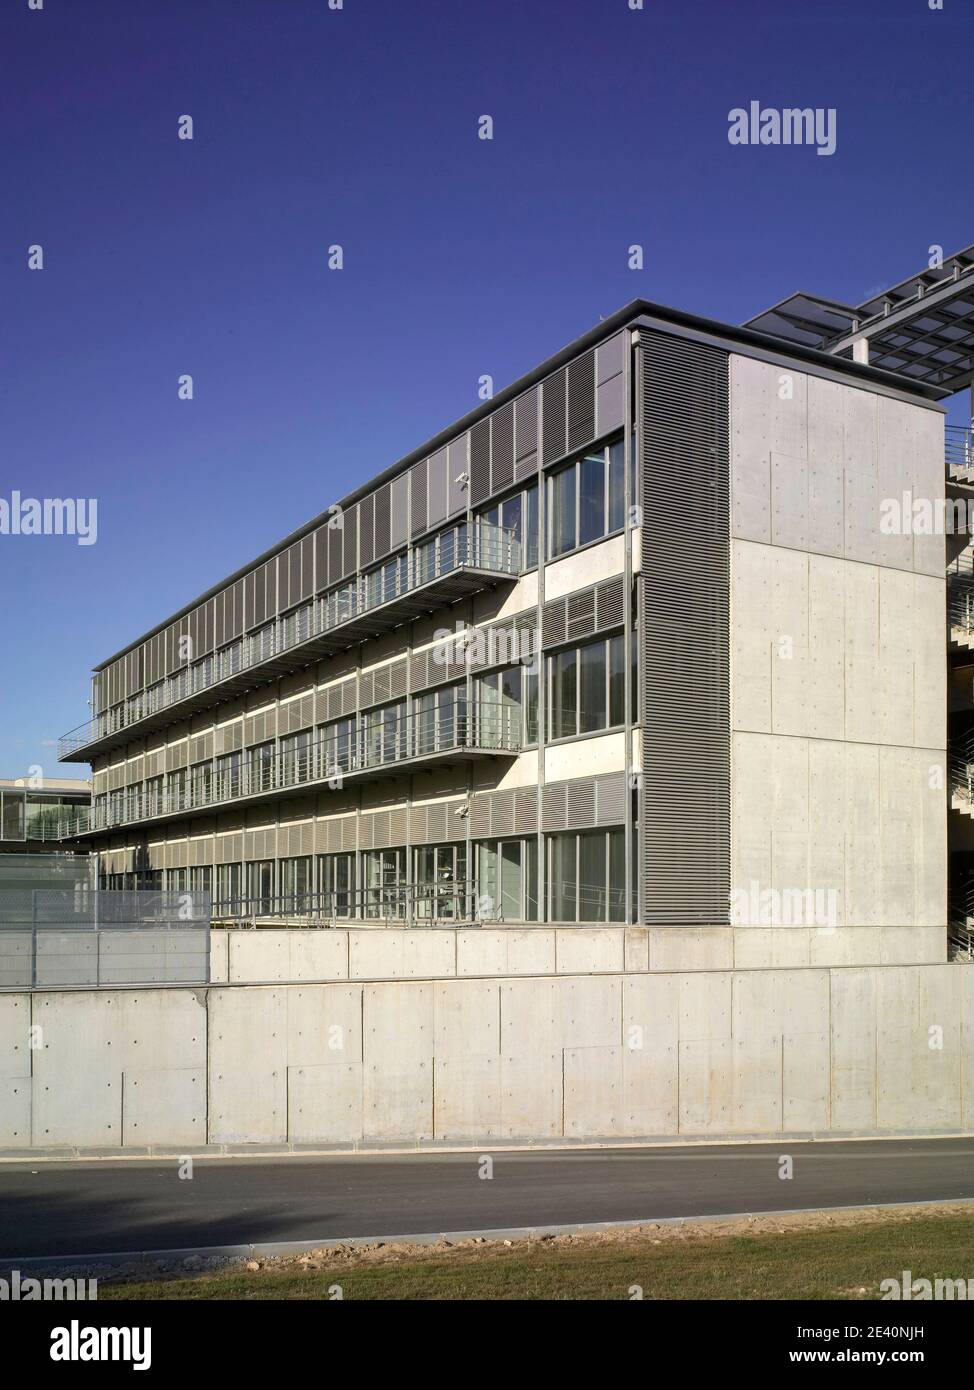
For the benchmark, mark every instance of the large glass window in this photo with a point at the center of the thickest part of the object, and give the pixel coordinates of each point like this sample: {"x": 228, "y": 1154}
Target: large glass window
{"x": 336, "y": 884}
{"x": 384, "y": 734}
{"x": 507, "y": 880}
{"x": 439, "y": 719}
{"x": 13, "y": 815}
{"x": 260, "y": 886}
{"x": 228, "y": 887}
{"x": 441, "y": 881}
{"x": 260, "y": 767}
{"x": 295, "y": 758}
{"x": 385, "y": 883}
{"x": 336, "y": 747}
{"x": 586, "y": 688}
{"x": 586, "y": 499}
{"x": 562, "y": 511}
{"x": 586, "y": 876}
{"x": 295, "y": 879}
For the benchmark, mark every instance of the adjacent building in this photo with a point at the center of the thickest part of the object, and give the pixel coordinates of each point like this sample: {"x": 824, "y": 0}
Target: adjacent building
{"x": 37, "y": 814}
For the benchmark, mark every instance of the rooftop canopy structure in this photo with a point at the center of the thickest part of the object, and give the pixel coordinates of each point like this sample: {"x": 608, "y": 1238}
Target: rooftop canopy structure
{"x": 921, "y": 329}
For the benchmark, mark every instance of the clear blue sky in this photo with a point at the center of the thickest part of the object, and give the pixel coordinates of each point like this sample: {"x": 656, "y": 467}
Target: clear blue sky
{"x": 462, "y": 256}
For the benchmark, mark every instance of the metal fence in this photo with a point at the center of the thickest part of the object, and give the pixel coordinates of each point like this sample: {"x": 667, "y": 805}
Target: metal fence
{"x": 53, "y": 937}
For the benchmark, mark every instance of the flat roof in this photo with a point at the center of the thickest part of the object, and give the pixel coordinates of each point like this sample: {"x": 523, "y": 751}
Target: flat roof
{"x": 48, "y": 784}
{"x": 628, "y": 315}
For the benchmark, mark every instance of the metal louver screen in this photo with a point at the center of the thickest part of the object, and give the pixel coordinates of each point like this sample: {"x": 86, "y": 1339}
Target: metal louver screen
{"x": 526, "y": 435}
{"x": 480, "y": 461}
{"x": 554, "y": 443}
{"x": 581, "y": 401}
{"x": 382, "y": 521}
{"x": 684, "y": 816}
{"x": 417, "y": 497}
{"x": 502, "y": 448}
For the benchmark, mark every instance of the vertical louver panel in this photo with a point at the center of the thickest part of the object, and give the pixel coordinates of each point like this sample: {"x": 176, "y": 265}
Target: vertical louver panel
{"x": 417, "y": 497}
{"x": 349, "y": 541}
{"x": 480, "y": 462}
{"x": 554, "y": 429}
{"x": 580, "y": 616}
{"x": 610, "y": 608}
{"x": 382, "y": 522}
{"x": 417, "y": 670}
{"x": 581, "y": 401}
{"x": 685, "y": 800}
{"x": 502, "y": 448}
{"x": 336, "y": 535}
{"x": 525, "y": 435}
{"x": 525, "y": 810}
{"x": 457, "y": 464}
{"x": 553, "y": 806}
{"x": 553, "y": 623}
{"x": 399, "y": 509}
{"x": 366, "y": 529}
{"x": 610, "y": 799}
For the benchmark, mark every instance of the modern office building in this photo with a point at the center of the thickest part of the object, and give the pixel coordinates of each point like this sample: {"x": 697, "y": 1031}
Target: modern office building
{"x": 630, "y": 643}
{"x": 36, "y": 814}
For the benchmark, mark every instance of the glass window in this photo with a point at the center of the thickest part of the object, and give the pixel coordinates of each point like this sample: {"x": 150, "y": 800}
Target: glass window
{"x": 562, "y": 878}
{"x": 13, "y": 815}
{"x": 531, "y": 880}
{"x": 260, "y": 886}
{"x": 336, "y": 884}
{"x": 617, "y": 680}
{"x": 586, "y": 500}
{"x": 592, "y": 688}
{"x": 295, "y": 883}
{"x": 511, "y": 516}
{"x": 591, "y": 878}
{"x": 531, "y": 527}
{"x": 617, "y": 486}
{"x": 591, "y": 505}
{"x": 561, "y": 511}
{"x": 564, "y": 694}
{"x": 586, "y": 876}
{"x": 530, "y": 704}
{"x": 586, "y": 689}
{"x": 617, "y": 875}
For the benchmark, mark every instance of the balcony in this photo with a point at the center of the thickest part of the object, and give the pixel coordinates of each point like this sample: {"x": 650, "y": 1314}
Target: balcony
{"x": 959, "y": 455}
{"x": 418, "y": 739}
{"x": 457, "y": 562}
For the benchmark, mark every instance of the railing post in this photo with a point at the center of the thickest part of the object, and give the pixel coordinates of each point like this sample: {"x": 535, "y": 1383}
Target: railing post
{"x": 33, "y": 938}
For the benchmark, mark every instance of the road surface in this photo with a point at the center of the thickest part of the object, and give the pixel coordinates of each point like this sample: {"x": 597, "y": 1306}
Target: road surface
{"x": 96, "y": 1207}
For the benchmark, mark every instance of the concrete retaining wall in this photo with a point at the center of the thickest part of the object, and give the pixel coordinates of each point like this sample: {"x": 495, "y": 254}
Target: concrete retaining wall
{"x": 539, "y": 1056}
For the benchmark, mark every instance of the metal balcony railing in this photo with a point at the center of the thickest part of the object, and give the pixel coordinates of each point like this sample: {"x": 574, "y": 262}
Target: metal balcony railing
{"x": 377, "y": 742}
{"x": 959, "y": 451}
{"x": 425, "y": 904}
{"x": 480, "y": 546}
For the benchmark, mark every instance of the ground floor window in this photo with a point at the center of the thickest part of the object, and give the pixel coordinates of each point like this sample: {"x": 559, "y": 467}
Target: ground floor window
{"x": 440, "y": 879}
{"x": 295, "y": 883}
{"x": 260, "y": 886}
{"x": 229, "y": 883}
{"x": 587, "y": 876}
{"x": 201, "y": 879}
{"x": 385, "y": 883}
{"x": 507, "y": 880}
{"x": 336, "y": 884}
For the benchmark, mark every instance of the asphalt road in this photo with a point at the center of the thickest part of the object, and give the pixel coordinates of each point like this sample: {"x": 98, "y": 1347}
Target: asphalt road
{"x": 101, "y": 1207}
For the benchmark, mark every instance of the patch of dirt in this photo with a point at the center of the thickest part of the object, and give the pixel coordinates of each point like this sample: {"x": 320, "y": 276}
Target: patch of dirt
{"x": 691, "y": 1230}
